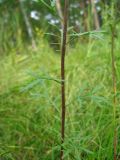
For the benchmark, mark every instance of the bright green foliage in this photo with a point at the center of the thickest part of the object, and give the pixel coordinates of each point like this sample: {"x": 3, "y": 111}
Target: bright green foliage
{"x": 30, "y": 103}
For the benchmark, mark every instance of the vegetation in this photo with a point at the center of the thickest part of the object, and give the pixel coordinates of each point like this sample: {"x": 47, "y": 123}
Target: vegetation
{"x": 30, "y": 87}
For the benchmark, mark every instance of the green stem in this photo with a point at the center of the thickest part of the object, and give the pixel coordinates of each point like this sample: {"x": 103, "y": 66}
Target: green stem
{"x": 114, "y": 90}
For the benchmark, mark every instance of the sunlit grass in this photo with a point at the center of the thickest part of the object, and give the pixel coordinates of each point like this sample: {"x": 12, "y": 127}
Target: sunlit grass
{"x": 30, "y": 104}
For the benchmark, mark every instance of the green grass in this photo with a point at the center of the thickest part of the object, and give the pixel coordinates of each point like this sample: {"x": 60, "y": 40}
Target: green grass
{"x": 30, "y": 104}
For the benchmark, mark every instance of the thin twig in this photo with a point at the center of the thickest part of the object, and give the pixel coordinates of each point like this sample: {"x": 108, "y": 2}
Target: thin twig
{"x": 63, "y": 51}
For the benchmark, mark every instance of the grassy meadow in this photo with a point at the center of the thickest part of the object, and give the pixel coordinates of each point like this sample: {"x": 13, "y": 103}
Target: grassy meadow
{"x": 30, "y": 102}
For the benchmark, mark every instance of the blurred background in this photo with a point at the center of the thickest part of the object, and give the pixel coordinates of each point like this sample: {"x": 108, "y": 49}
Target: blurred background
{"x": 30, "y": 99}
{"x": 24, "y": 22}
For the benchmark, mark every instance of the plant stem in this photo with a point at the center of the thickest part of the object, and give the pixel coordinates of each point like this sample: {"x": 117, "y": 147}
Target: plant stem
{"x": 114, "y": 90}
{"x": 63, "y": 51}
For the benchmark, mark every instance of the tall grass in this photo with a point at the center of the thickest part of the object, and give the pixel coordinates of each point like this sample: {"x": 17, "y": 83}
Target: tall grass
{"x": 114, "y": 89}
{"x": 30, "y": 101}
{"x": 30, "y": 104}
